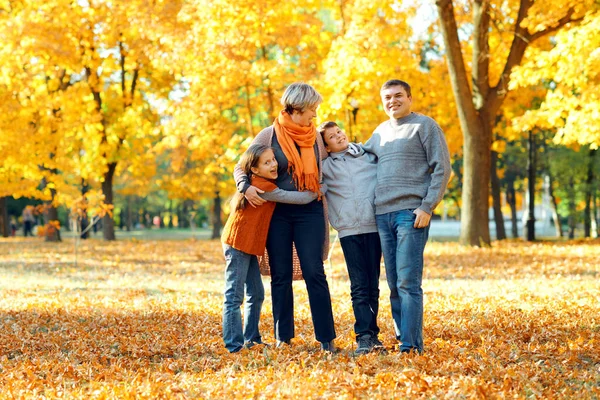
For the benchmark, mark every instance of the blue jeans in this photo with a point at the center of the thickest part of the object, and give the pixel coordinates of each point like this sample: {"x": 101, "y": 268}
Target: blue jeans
{"x": 241, "y": 274}
{"x": 363, "y": 257}
{"x": 403, "y": 247}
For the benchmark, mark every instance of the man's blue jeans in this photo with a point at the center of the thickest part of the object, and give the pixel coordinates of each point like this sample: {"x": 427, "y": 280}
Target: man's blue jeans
{"x": 403, "y": 247}
{"x": 241, "y": 274}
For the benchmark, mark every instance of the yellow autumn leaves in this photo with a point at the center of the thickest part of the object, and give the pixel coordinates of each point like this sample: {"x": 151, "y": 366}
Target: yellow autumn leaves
{"x": 143, "y": 320}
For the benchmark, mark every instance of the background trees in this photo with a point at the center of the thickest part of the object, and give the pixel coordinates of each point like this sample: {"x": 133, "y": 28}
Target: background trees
{"x": 116, "y": 102}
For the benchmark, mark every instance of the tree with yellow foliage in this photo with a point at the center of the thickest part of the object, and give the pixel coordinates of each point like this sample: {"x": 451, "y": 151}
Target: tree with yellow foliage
{"x": 96, "y": 76}
{"x": 480, "y": 86}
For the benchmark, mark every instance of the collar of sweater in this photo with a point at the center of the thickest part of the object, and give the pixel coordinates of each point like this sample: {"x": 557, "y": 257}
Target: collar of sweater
{"x": 403, "y": 120}
{"x": 352, "y": 150}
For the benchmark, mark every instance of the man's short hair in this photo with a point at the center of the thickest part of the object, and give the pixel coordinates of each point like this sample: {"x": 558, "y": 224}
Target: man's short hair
{"x": 397, "y": 82}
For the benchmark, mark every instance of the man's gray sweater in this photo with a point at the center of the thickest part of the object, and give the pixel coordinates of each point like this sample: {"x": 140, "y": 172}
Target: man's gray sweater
{"x": 413, "y": 166}
{"x": 350, "y": 176}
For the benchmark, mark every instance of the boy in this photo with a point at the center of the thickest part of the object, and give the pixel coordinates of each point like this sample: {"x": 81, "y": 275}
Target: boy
{"x": 350, "y": 175}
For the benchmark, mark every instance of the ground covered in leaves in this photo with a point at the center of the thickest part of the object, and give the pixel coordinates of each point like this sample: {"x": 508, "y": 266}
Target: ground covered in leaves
{"x": 142, "y": 319}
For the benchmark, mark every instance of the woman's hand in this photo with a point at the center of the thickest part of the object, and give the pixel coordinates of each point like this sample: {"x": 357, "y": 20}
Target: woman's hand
{"x": 252, "y": 196}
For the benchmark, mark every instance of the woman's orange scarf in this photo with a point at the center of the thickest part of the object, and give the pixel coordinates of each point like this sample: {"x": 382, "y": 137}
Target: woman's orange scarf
{"x": 303, "y": 166}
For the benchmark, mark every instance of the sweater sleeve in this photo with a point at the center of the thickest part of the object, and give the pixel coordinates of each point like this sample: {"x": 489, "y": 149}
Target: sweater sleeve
{"x": 438, "y": 158}
{"x": 289, "y": 197}
{"x": 241, "y": 179}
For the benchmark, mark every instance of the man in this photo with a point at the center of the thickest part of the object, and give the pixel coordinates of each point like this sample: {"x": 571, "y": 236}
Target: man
{"x": 413, "y": 171}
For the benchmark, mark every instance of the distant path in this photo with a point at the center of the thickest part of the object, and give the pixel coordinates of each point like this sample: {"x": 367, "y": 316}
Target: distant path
{"x": 440, "y": 231}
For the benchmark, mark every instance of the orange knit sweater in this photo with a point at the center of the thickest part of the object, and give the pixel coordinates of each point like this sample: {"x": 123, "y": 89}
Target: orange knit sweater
{"x": 246, "y": 230}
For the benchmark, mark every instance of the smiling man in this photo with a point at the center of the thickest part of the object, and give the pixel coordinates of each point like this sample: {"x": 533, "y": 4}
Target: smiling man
{"x": 413, "y": 170}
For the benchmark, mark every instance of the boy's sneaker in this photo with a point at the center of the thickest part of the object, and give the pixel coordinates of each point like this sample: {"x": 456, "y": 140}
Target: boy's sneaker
{"x": 253, "y": 343}
{"x": 365, "y": 345}
{"x": 377, "y": 344}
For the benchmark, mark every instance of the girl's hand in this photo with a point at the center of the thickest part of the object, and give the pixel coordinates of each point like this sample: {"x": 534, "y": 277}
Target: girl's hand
{"x": 252, "y": 196}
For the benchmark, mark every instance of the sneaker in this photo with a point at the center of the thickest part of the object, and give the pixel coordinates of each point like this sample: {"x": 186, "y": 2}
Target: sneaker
{"x": 412, "y": 350}
{"x": 281, "y": 343}
{"x": 253, "y": 343}
{"x": 377, "y": 344}
{"x": 328, "y": 347}
{"x": 365, "y": 345}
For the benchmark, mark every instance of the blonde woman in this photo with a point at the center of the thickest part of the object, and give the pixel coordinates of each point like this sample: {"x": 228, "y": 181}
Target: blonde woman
{"x": 299, "y": 151}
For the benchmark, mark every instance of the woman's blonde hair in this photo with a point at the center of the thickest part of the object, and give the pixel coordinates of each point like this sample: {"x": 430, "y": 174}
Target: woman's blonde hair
{"x": 300, "y": 96}
{"x": 248, "y": 161}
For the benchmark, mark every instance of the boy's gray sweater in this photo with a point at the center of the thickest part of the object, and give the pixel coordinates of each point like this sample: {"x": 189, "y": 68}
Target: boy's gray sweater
{"x": 413, "y": 166}
{"x": 351, "y": 176}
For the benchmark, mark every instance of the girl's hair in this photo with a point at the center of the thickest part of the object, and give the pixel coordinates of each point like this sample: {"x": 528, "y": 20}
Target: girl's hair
{"x": 300, "y": 96}
{"x": 325, "y": 125}
{"x": 248, "y": 160}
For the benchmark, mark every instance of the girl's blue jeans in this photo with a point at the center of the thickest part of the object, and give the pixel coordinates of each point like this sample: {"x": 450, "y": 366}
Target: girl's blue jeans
{"x": 242, "y": 275}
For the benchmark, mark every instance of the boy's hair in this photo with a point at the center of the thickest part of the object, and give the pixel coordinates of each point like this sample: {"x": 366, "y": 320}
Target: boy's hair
{"x": 300, "y": 96}
{"x": 326, "y": 125}
{"x": 248, "y": 160}
{"x": 397, "y": 82}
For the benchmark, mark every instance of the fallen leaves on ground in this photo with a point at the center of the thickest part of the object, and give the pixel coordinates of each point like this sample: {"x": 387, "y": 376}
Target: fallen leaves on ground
{"x": 142, "y": 319}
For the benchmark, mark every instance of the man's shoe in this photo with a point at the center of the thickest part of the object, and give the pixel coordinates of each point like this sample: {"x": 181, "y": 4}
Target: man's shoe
{"x": 412, "y": 350}
{"x": 281, "y": 343}
{"x": 365, "y": 345}
{"x": 328, "y": 347}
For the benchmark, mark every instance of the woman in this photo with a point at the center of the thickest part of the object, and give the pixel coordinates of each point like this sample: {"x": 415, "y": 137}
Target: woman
{"x": 298, "y": 150}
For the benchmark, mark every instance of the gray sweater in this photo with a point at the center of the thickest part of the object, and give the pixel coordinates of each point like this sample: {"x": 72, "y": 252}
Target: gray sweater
{"x": 413, "y": 167}
{"x": 351, "y": 176}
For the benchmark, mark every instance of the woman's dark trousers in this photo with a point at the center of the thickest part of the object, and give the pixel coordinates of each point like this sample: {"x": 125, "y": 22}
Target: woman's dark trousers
{"x": 303, "y": 225}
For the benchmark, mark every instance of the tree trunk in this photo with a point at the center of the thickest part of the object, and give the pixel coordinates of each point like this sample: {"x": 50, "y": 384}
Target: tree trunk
{"x": 129, "y": 222}
{"x": 478, "y": 102}
{"x": 52, "y": 234}
{"x": 181, "y": 223}
{"x": 595, "y": 226}
{"x": 587, "y": 221}
{"x": 476, "y": 127}
{"x": 555, "y": 215}
{"x": 51, "y": 214}
{"x": 511, "y": 199}
{"x": 4, "y": 218}
{"x": 497, "y": 200}
{"x": 531, "y": 176}
{"x": 216, "y": 232}
{"x": 108, "y": 223}
{"x": 474, "y": 229}
{"x": 572, "y": 209}
{"x": 82, "y": 220}
{"x": 170, "y": 214}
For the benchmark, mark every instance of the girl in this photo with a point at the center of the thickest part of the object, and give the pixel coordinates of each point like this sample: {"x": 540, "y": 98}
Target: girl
{"x": 244, "y": 238}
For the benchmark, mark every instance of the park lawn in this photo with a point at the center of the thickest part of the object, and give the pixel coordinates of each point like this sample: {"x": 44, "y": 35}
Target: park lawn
{"x": 142, "y": 319}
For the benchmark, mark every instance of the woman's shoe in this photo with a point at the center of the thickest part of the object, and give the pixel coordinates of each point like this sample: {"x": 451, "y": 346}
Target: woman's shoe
{"x": 328, "y": 347}
{"x": 281, "y": 343}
